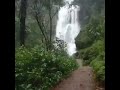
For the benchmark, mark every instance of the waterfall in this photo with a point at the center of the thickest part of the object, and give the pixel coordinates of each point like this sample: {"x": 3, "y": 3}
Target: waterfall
{"x": 68, "y": 26}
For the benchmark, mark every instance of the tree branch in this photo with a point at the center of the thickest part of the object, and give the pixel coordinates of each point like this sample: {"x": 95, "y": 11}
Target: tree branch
{"x": 55, "y": 13}
{"x": 39, "y": 24}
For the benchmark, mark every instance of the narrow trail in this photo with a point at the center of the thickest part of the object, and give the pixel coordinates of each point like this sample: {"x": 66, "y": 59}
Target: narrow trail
{"x": 80, "y": 79}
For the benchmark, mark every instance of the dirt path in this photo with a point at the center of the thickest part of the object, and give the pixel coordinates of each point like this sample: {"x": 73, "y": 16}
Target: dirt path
{"x": 79, "y": 61}
{"x": 80, "y": 79}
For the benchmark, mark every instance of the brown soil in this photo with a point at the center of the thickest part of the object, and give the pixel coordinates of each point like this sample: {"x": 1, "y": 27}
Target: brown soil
{"x": 80, "y": 79}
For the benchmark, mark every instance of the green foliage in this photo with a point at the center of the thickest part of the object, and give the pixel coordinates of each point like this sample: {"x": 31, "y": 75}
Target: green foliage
{"x": 101, "y": 74}
{"x": 95, "y": 28}
{"x": 90, "y": 8}
{"x": 98, "y": 65}
{"x": 95, "y": 57}
{"x": 17, "y": 32}
{"x": 92, "y": 32}
{"x": 37, "y": 69}
{"x": 83, "y": 41}
{"x": 34, "y": 36}
{"x": 90, "y": 53}
{"x": 90, "y": 41}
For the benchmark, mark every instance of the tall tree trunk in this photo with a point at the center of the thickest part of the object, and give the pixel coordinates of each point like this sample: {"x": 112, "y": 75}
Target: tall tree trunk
{"x": 50, "y": 24}
{"x": 42, "y": 30}
{"x": 23, "y": 9}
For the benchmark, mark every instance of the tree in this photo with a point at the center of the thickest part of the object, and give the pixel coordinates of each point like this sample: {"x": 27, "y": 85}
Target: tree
{"x": 23, "y": 9}
{"x": 44, "y": 12}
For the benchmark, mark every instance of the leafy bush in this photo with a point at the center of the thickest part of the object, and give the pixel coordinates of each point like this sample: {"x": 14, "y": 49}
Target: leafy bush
{"x": 95, "y": 57}
{"x": 83, "y": 41}
{"x": 98, "y": 65}
{"x": 37, "y": 69}
{"x": 90, "y": 53}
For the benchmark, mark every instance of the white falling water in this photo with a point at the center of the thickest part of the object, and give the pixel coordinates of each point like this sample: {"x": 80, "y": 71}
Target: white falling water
{"x": 68, "y": 26}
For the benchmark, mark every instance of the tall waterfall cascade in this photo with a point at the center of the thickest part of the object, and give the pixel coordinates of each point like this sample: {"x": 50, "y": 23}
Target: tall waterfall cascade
{"x": 68, "y": 26}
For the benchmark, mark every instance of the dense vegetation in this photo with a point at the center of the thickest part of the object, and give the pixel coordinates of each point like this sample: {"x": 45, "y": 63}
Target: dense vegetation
{"x": 37, "y": 69}
{"x": 95, "y": 57}
{"x": 38, "y": 65}
{"x": 91, "y": 40}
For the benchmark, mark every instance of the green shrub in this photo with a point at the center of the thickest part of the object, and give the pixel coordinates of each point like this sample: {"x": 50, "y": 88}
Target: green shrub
{"x": 101, "y": 74}
{"x": 99, "y": 67}
{"x": 95, "y": 57}
{"x": 90, "y": 53}
{"x": 37, "y": 69}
